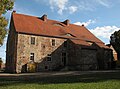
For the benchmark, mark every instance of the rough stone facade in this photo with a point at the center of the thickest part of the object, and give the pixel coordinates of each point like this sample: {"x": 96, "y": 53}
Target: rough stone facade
{"x": 41, "y": 48}
{"x": 82, "y": 58}
{"x": 78, "y": 57}
{"x": 11, "y": 50}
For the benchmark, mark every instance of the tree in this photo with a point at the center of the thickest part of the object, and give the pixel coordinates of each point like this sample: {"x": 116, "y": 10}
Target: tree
{"x": 5, "y": 5}
{"x": 115, "y": 41}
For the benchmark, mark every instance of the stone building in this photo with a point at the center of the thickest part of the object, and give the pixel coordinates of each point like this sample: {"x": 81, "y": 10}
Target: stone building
{"x": 39, "y": 44}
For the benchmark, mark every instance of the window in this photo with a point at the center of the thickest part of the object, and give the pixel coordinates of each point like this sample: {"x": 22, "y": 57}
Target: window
{"x": 53, "y": 42}
{"x": 32, "y": 56}
{"x": 33, "y": 40}
{"x": 90, "y": 43}
{"x": 64, "y": 58}
{"x": 70, "y": 35}
{"x": 49, "y": 57}
{"x": 46, "y": 67}
{"x": 65, "y": 44}
{"x": 58, "y": 24}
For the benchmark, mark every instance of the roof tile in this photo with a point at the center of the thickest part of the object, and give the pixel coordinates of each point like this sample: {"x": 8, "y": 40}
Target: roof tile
{"x": 35, "y": 25}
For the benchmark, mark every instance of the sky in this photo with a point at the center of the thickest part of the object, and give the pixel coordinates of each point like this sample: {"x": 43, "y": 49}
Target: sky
{"x": 101, "y": 17}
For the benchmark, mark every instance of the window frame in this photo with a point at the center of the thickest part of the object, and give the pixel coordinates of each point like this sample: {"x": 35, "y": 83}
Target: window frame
{"x": 32, "y": 55}
{"x": 32, "y": 41}
{"x": 49, "y": 57}
{"x": 53, "y": 42}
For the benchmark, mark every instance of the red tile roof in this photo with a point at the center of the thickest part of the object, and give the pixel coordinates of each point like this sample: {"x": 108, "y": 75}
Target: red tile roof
{"x": 81, "y": 42}
{"x": 35, "y": 25}
{"x": 102, "y": 45}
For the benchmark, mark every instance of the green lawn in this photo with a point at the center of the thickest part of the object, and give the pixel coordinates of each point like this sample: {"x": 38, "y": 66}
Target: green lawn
{"x": 86, "y": 81}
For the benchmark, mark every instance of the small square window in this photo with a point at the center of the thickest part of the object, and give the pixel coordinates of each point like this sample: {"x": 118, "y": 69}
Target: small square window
{"x": 32, "y": 56}
{"x": 32, "y": 40}
{"x": 53, "y": 42}
{"x": 49, "y": 58}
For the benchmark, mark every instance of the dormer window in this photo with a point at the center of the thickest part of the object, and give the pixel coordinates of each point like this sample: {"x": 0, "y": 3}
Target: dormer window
{"x": 58, "y": 24}
{"x": 68, "y": 34}
{"x": 89, "y": 42}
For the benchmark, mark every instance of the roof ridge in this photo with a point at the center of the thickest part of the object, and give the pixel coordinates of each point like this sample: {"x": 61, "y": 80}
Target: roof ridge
{"x": 59, "y": 22}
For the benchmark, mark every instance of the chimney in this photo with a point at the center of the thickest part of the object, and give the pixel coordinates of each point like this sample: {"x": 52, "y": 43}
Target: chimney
{"x": 83, "y": 25}
{"x": 66, "y": 22}
{"x": 14, "y": 11}
{"x": 44, "y": 17}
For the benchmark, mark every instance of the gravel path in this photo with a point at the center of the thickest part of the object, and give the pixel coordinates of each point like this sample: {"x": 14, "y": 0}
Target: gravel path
{"x": 55, "y": 73}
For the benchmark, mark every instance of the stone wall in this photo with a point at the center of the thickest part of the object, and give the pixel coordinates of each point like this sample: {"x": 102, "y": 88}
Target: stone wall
{"x": 108, "y": 59}
{"x": 43, "y": 47}
{"x": 78, "y": 57}
{"x": 81, "y": 58}
{"x": 11, "y": 50}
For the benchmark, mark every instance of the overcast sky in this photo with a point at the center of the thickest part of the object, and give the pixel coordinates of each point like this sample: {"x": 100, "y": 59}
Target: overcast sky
{"x": 101, "y": 17}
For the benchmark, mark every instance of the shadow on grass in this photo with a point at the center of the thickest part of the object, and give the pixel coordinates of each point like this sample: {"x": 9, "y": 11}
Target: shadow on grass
{"x": 85, "y": 78}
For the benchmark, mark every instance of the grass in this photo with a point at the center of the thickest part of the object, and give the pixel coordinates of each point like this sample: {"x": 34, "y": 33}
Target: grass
{"x": 108, "y": 80}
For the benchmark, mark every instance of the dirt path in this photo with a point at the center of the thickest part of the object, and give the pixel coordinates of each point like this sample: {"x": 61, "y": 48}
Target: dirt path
{"x": 56, "y": 73}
